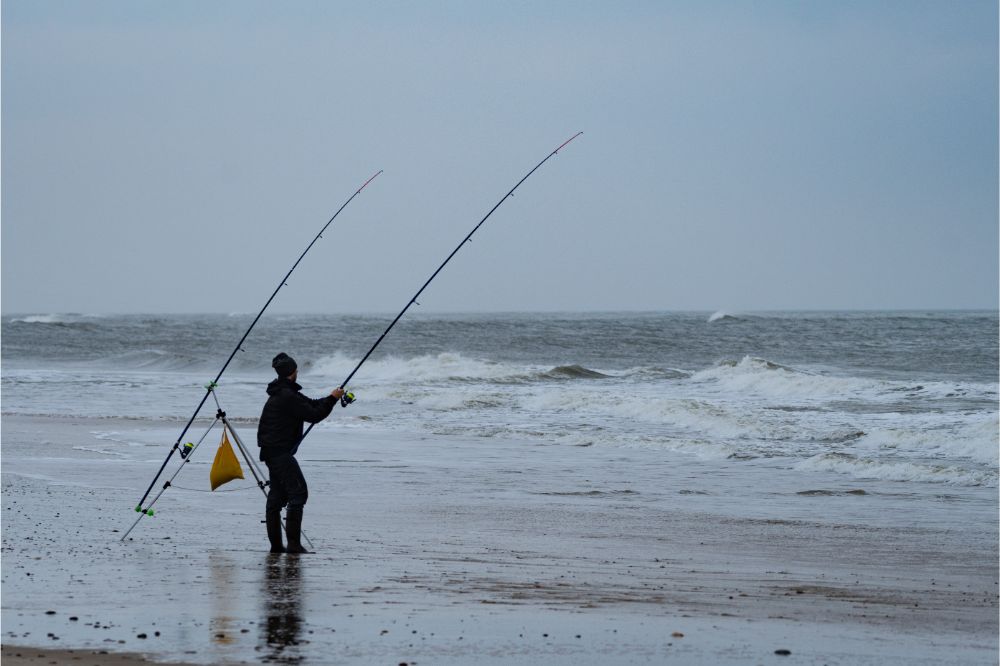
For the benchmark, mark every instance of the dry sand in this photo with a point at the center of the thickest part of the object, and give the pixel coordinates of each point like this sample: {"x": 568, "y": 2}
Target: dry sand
{"x": 444, "y": 551}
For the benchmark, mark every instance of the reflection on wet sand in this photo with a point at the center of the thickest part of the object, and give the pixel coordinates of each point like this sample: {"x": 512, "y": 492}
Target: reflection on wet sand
{"x": 282, "y": 613}
{"x": 224, "y": 596}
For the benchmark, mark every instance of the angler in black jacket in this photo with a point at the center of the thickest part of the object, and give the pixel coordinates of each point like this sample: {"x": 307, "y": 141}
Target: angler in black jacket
{"x": 278, "y": 436}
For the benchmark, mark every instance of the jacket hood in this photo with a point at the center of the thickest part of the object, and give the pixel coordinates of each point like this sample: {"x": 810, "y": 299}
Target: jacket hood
{"x": 282, "y": 384}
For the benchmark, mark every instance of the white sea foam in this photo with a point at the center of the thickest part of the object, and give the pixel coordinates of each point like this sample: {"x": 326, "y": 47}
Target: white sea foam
{"x": 762, "y": 378}
{"x": 898, "y": 470}
{"x": 703, "y": 449}
{"x": 646, "y": 407}
{"x": 758, "y": 378}
{"x": 823, "y": 415}
{"x": 47, "y": 319}
{"x": 975, "y": 438}
{"x": 110, "y": 436}
{"x": 101, "y": 451}
{"x": 717, "y": 413}
{"x": 58, "y": 318}
{"x": 426, "y": 368}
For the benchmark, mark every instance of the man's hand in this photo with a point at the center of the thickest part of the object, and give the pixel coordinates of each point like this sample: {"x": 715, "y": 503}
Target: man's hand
{"x": 337, "y": 393}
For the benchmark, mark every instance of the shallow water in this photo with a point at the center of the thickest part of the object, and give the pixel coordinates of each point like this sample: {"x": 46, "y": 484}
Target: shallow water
{"x": 438, "y": 549}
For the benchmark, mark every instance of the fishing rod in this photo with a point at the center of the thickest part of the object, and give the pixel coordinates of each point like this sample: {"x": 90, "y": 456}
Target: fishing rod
{"x": 239, "y": 347}
{"x": 349, "y": 397}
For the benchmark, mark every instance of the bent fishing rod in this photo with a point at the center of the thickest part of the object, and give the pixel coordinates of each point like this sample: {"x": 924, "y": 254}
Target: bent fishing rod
{"x": 239, "y": 347}
{"x": 349, "y": 397}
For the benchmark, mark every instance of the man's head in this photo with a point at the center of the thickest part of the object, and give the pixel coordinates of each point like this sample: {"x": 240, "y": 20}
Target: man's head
{"x": 284, "y": 365}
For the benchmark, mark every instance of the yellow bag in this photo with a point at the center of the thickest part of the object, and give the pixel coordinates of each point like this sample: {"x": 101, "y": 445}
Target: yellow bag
{"x": 226, "y": 467}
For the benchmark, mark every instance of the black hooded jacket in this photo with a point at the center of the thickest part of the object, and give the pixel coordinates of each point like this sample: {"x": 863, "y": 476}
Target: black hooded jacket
{"x": 283, "y": 416}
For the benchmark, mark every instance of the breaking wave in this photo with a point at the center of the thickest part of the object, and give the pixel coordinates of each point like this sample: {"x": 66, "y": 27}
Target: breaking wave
{"x": 763, "y": 379}
{"x": 48, "y": 319}
{"x": 898, "y": 470}
{"x": 69, "y": 320}
{"x": 448, "y": 367}
{"x": 635, "y": 383}
{"x": 975, "y": 439}
{"x": 428, "y": 368}
{"x": 721, "y": 316}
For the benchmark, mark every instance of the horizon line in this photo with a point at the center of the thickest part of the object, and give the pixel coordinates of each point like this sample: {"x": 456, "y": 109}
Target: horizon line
{"x": 733, "y": 311}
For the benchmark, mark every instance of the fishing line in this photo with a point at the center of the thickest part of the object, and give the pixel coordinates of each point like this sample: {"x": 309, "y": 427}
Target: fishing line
{"x": 239, "y": 347}
{"x": 348, "y": 398}
{"x": 217, "y": 490}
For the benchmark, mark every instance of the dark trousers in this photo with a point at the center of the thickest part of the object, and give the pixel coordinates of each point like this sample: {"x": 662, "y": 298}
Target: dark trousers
{"x": 288, "y": 486}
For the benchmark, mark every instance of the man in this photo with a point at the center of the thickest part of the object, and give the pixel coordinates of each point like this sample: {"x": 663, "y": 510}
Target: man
{"x": 278, "y": 436}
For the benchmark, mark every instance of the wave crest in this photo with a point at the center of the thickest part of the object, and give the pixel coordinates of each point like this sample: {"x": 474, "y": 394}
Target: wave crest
{"x": 573, "y": 372}
{"x": 446, "y": 366}
{"x": 898, "y": 470}
{"x": 56, "y": 319}
{"x": 722, "y": 316}
{"x": 767, "y": 379}
{"x": 449, "y": 367}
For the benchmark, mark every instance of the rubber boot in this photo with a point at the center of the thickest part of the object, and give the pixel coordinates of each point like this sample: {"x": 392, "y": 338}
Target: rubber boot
{"x": 293, "y": 525}
{"x": 273, "y": 520}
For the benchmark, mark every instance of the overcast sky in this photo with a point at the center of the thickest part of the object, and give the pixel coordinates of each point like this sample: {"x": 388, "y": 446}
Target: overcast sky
{"x": 178, "y": 156}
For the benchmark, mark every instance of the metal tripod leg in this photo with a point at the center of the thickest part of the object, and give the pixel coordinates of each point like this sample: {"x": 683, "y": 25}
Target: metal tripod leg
{"x": 148, "y": 511}
{"x": 256, "y": 471}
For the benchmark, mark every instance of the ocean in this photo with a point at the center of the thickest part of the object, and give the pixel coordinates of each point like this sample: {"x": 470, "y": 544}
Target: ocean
{"x": 908, "y": 397}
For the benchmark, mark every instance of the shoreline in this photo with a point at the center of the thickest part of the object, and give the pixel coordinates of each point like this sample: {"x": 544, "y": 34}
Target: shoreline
{"x": 449, "y": 550}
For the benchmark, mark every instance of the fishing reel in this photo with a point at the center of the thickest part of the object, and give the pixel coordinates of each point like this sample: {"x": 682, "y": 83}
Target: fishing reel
{"x": 346, "y": 399}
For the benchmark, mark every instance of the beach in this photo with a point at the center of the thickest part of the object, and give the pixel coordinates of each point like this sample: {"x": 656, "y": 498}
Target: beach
{"x": 574, "y": 488}
{"x": 653, "y": 333}
{"x": 438, "y": 549}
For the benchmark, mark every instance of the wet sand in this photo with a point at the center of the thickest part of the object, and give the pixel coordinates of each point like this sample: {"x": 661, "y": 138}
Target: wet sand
{"x": 443, "y": 550}
{"x": 25, "y": 656}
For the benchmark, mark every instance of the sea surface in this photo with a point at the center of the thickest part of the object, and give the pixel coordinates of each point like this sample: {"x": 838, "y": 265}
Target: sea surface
{"x": 908, "y": 397}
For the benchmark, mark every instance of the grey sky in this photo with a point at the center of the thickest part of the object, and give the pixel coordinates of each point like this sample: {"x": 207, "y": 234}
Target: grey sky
{"x": 177, "y": 156}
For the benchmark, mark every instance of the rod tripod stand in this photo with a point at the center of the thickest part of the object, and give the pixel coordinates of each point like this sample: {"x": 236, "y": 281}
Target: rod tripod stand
{"x": 188, "y": 450}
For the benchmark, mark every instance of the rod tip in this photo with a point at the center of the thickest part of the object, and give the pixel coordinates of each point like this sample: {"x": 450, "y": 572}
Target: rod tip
{"x": 567, "y": 141}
